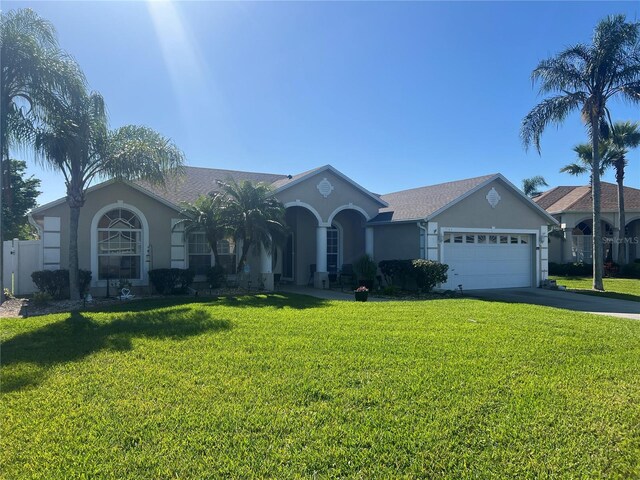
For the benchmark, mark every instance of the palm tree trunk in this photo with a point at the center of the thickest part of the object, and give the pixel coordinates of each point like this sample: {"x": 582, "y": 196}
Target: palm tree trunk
{"x": 74, "y": 217}
{"x": 621, "y": 216}
{"x": 598, "y": 265}
{"x": 245, "y": 251}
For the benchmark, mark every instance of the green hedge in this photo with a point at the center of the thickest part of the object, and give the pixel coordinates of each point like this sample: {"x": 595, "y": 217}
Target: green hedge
{"x": 631, "y": 270}
{"x": 56, "y": 282}
{"x": 421, "y": 274}
{"x": 429, "y": 273}
{"x": 570, "y": 269}
{"x": 169, "y": 281}
{"x": 216, "y": 276}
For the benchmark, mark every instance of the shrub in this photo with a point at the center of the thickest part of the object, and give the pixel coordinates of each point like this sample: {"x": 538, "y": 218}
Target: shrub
{"x": 570, "y": 269}
{"x": 429, "y": 273}
{"x": 216, "y": 276}
{"x": 398, "y": 272}
{"x": 56, "y": 282}
{"x": 168, "y": 281}
{"x": 631, "y": 270}
{"x": 390, "y": 290}
{"x": 366, "y": 270}
{"x": 41, "y": 298}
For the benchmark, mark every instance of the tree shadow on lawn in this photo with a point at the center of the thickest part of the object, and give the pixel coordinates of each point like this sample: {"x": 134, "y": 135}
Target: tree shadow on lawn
{"x": 249, "y": 300}
{"x": 79, "y": 335}
{"x": 272, "y": 300}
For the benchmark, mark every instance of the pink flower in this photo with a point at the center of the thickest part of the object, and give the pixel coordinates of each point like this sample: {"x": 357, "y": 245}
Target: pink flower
{"x": 362, "y": 289}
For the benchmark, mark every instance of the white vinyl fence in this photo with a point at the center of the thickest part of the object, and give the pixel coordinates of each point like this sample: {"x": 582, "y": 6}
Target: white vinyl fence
{"x": 21, "y": 258}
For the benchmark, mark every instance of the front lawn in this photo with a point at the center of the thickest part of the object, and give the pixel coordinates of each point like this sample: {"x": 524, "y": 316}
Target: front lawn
{"x": 621, "y": 288}
{"x": 290, "y": 386}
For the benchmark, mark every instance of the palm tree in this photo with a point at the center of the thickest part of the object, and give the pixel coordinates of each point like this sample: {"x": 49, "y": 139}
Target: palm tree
{"x": 32, "y": 65}
{"x": 253, "y": 215}
{"x": 205, "y": 215}
{"x": 583, "y": 163}
{"x": 530, "y": 185}
{"x": 75, "y": 141}
{"x": 624, "y": 136}
{"x": 585, "y": 77}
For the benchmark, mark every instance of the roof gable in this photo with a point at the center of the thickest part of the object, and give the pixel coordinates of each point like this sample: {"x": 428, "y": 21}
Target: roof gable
{"x": 578, "y": 198}
{"x": 290, "y": 182}
{"x": 104, "y": 184}
{"x": 425, "y": 203}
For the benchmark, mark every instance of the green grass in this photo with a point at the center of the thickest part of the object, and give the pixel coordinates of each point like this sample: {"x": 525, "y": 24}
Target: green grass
{"x": 294, "y": 387}
{"x": 620, "y": 288}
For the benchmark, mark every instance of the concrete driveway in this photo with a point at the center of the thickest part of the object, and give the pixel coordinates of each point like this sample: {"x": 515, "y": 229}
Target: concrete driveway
{"x": 562, "y": 299}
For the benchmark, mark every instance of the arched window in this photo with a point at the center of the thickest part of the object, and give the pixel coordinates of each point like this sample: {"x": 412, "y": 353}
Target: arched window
{"x": 582, "y": 229}
{"x": 119, "y": 245}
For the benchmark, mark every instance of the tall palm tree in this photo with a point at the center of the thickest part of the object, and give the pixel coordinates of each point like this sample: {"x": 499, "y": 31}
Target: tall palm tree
{"x": 75, "y": 141}
{"x": 205, "y": 215}
{"x": 624, "y": 136}
{"x": 585, "y": 77}
{"x": 530, "y": 185}
{"x": 31, "y": 65}
{"x": 253, "y": 215}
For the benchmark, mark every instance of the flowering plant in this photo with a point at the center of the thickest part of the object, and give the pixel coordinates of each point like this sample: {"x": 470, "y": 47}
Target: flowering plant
{"x": 362, "y": 288}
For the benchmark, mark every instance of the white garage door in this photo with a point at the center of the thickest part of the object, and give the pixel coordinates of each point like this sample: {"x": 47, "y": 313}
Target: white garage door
{"x": 478, "y": 260}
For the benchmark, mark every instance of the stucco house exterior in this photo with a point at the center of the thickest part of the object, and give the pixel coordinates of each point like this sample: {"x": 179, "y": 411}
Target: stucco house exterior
{"x": 489, "y": 233}
{"x": 571, "y": 207}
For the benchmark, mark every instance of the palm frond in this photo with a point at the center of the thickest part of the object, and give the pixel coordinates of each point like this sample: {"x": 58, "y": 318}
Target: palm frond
{"x": 550, "y": 111}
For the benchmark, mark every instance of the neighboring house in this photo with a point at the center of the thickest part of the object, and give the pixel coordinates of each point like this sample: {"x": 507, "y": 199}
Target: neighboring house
{"x": 571, "y": 207}
{"x": 489, "y": 233}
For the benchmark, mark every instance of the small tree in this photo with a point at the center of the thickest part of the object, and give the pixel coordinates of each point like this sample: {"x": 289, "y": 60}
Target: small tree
{"x": 254, "y": 216}
{"x": 206, "y": 215}
{"x": 24, "y": 192}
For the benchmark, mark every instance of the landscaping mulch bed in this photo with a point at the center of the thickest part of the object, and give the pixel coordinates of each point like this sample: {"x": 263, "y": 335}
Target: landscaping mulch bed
{"x": 24, "y": 307}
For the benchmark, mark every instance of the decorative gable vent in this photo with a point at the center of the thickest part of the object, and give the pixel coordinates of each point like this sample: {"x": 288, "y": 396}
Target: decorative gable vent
{"x": 325, "y": 188}
{"x": 493, "y": 197}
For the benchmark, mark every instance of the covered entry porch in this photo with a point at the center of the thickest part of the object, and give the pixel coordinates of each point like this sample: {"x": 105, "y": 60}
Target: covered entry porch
{"x": 317, "y": 250}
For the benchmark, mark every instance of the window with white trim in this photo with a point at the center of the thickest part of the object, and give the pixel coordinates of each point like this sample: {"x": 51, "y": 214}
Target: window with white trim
{"x": 119, "y": 245}
{"x": 199, "y": 253}
{"x": 227, "y": 255}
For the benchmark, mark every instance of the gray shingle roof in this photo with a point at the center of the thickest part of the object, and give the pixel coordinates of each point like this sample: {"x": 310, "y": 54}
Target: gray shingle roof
{"x": 418, "y": 203}
{"x": 202, "y": 181}
{"x": 578, "y": 198}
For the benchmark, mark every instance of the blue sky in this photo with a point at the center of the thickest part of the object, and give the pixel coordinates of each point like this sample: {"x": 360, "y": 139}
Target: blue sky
{"x": 394, "y": 95}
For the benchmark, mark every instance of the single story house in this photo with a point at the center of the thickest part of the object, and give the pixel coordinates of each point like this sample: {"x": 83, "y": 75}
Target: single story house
{"x": 489, "y": 233}
{"x": 571, "y": 207}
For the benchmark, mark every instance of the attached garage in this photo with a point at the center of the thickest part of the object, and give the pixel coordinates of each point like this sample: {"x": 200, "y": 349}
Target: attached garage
{"x": 487, "y": 231}
{"x": 488, "y": 260}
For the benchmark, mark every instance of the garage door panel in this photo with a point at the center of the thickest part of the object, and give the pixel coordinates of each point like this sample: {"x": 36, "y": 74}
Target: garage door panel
{"x": 482, "y": 265}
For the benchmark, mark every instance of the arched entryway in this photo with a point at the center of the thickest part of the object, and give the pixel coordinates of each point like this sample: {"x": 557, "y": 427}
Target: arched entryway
{"x": 582, "y": 241}
{"x": 317, "y": 249}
